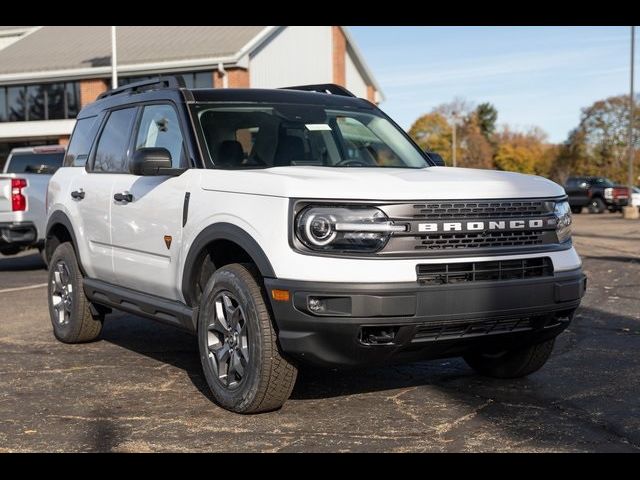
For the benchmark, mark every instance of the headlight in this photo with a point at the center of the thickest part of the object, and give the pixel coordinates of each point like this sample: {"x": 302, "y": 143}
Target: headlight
{"x": 355, "y": 229}
{"x": 562, "y": 212}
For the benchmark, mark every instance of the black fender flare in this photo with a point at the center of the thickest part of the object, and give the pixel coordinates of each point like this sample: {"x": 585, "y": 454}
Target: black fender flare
{"x": 222, "y": 231}
{"x": 60, "y": 218}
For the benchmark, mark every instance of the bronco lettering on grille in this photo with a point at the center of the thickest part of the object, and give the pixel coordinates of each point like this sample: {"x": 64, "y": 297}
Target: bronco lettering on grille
{"x": 480, "y": 226}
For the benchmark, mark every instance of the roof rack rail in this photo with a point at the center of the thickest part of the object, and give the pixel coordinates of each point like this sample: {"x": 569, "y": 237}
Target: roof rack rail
{"x": 331, "y": 88}
{"x": 134, "y": 87}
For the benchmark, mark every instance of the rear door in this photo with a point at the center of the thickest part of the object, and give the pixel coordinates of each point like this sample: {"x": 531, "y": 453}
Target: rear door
{"x": 147, "y": 230}
{"x": 92, "y": 192}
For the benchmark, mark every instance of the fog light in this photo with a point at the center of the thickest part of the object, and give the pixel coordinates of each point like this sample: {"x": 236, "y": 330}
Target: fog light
{"x": 316, "y": 305}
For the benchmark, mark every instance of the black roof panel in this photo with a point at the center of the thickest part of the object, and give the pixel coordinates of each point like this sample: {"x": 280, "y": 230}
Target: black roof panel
{"x": 276, "y": 96}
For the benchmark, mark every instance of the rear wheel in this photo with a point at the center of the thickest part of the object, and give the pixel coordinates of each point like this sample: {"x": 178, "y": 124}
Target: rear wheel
{"x": 511, "y": 363}
{"x": 597, "y": 205}
{"x": 240, "y": 357}
{"x": 69, "y": 308}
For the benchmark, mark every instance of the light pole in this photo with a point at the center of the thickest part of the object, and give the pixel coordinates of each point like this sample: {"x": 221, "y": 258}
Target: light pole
{"x": 631, "y": 109}
{"x": 630, "y": 211}
{"x": 454, "y": 117}
{"x": 114, "y": 60}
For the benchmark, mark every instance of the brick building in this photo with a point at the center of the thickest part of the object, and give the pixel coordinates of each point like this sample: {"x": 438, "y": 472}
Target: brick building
{"x": 48, "y": 73}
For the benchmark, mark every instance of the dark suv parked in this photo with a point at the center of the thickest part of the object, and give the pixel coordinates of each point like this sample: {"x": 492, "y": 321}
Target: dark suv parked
{"x": 596, "y": 193}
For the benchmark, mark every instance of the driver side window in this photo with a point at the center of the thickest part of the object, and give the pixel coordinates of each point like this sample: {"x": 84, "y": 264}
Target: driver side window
{"x": 364, "y": 145}
{"x": 159, "y": 127}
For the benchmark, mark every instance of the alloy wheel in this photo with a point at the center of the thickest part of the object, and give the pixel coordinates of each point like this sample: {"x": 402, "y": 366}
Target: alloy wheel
{"x": 227, "y": 341}
{"x": 61, "y": 293}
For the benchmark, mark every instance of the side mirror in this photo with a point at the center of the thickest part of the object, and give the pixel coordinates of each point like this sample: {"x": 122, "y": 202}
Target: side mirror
{"x": 151, "y": 161}
{"x": 435, "y": 158}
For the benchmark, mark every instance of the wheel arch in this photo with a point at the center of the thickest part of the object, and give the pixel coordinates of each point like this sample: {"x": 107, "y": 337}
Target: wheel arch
{"x": 59, "y": 230}
{"x": 223, "y": 233}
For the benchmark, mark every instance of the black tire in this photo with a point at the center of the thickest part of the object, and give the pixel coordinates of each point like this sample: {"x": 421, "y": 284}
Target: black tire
{"x": 10, "y": 251}
{"x": 76, "y": 323}
{"x": 262, "y": 379}
{"x": 511, "y": 363}
{"x": 597, "y": 205}
{"x": 576, "y": 210}
{"x": 43, "y": 255}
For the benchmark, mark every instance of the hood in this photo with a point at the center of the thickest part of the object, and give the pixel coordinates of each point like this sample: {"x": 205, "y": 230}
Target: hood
{"x": 381, "y": 183}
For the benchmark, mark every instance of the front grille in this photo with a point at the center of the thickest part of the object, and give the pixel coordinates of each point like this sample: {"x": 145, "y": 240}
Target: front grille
{"x": 445, "y": 273}
{"x": 482, "y": 209}
{"x": 451, "y": 241}
{"x": 440, "y": 227}
{"x": 482, "y": 327}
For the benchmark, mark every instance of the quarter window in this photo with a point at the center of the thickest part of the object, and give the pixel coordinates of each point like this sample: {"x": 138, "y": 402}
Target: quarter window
{"x": 111, "y": 152}
{"x": 81, "y": 140}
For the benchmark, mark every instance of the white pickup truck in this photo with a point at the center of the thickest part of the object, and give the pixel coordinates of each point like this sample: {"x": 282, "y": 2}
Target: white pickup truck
{"x": 23, "y": 188}
{"x": 300, "y": 226}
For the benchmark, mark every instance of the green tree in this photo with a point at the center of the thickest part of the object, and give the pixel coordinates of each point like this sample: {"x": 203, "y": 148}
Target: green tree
{"x": 487, "y": 116}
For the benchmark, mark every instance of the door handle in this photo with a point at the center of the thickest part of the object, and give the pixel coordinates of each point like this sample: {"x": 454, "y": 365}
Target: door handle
{"x": 77, "y": 194}
{"x": 123, "y": 197}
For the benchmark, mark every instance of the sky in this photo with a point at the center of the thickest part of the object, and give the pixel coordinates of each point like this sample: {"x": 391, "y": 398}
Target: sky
{"x": 535, "y": 76}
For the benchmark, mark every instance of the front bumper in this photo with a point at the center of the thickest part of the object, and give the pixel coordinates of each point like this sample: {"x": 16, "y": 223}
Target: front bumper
{"x": 23, "y": 234}
{"x": 387, "y": 322}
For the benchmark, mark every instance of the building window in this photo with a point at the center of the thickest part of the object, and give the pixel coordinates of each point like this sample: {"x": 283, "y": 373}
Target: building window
{"x": 3, "y": 105}
{"x": 47, "y": 101}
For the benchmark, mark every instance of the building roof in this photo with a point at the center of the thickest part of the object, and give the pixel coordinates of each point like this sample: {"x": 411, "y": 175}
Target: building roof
{"x": 84, "y": 47}
{"x": 85, "y": 51}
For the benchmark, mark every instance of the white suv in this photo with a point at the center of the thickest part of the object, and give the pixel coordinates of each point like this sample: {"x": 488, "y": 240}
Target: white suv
{"x": 300, "y": 225}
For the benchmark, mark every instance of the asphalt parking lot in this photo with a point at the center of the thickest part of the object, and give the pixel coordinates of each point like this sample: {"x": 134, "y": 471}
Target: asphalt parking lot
{"x": 140, "y": 387}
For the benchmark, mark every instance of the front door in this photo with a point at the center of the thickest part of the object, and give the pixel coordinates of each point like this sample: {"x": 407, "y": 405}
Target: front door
{"x": 146, "y": 225}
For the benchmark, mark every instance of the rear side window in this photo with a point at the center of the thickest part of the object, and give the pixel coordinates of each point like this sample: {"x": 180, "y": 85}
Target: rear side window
{"x": 81, "y": 141}
{"x": 111, "y": 152}
{"x": 35, "y": 162}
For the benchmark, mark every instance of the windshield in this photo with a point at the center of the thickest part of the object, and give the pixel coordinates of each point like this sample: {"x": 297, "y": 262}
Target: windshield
{"x": 263, "y": 136}
{"x": 604, "y": 182}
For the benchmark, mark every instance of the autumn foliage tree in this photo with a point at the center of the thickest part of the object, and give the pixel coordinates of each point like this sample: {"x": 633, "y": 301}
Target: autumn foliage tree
{"x": 524, "y": 152}
{"x": 434, "y": 132}
{"x": 599, "y": 144}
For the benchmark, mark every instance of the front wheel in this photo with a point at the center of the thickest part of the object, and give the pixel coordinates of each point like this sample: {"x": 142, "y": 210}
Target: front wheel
{"x": 511, "y": 363}
{"x": 240, "y": 357}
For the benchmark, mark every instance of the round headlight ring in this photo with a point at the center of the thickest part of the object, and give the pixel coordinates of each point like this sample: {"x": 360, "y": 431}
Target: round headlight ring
{"x": 319, "y": 229}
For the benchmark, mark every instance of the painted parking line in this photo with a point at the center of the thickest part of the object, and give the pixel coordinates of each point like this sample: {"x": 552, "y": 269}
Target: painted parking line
{"x": 19, "y": 289}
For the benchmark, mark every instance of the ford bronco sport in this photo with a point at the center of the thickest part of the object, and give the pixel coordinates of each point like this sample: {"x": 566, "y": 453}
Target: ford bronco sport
{"x": 300, "y": 226}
